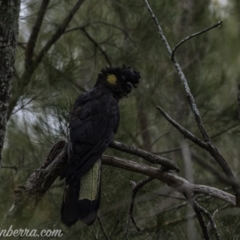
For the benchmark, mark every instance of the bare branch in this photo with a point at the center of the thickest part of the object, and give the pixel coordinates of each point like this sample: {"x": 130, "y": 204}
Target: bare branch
{"x": 197, "y": 210}
{"x": 38, "y": 183}
{"x": 97, "y": 45}
{"x": 102, "y": 228}
{"x": 34, "y": 34}
{"x": 214, "y": 171}
{"x": 213, "y": 224}
{"x": 179, "y": 184}
{"x": 28, "y": 72}
{"x": 211, "y": 149}
{"x": 192, "y": 36}
{"x": 183, "y": 79}
{"x": 166, "y": 163}
{"x": 135, "y": 190}
{"x": 183, "y": 130}
{"x": 59, "y": 32}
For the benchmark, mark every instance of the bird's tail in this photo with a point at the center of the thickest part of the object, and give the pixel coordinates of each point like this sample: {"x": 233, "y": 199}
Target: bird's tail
{"x": 81, "y": 198}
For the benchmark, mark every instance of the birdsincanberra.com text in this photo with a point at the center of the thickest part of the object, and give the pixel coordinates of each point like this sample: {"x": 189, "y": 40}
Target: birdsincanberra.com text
{"x": 25, "y": 232}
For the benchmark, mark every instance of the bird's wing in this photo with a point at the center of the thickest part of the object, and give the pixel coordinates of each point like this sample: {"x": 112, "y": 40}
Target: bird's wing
{"x": 93, "y": 122}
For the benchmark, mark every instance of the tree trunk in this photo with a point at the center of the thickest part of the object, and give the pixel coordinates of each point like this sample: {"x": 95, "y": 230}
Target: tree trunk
{"x": 9, "y": 13}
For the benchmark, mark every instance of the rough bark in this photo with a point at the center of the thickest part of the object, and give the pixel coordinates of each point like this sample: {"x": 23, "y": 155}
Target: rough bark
{"x": 9, "y": 13}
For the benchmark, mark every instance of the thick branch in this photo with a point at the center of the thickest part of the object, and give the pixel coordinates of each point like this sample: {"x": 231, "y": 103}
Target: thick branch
{"x": 171, "y": 179}
{"x": 152, "y": 158}
{"x": 38, "y": 183}
{"x": 41, "y": 180}
{"x": 211, "y": 149}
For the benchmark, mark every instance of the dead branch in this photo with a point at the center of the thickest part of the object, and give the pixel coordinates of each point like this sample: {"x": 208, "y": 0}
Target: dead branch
{"x": 42, "y": 178}
{"x": 136, "y": 188}
{"x": 192, "y": 36}
{"x": 197, "y": 210}
{"x": 211, "y": 221}
{"x": 211, "y": 149}
{"x": 152, "y": 158}
{"x": 182, "y": 77}
{"x": 38, "y": 183}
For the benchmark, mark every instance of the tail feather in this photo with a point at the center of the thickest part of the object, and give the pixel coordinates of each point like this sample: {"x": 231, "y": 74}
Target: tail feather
{"x": 81, "y": 198}
{"x": 90, "y": 192}
{"x": 69, "y": 210}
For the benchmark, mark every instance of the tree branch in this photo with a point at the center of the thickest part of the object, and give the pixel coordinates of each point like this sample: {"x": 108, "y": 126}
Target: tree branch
{"x": 179, "y": 184}
{"x": 25, "y": 79}
{"x": 42, "y": 178}
{"x": 213, "y": 224}
{"x": 211, "y": 149}
{"x": 98, "y": 46}
{"x": 183, "y": 79}
{"x": 59, "y": 32}
{"x": 136, "y": 188}
{"x": 152, "y": 158}
{"x": 192, "y": 36}
{"x": 34, "y": 34}
{"x": 197, "y": 210}
{"x": 183, "y": 130}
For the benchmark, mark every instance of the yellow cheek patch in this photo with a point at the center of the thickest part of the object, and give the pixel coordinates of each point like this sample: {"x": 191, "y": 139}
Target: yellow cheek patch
{"x": 112, "y": 79}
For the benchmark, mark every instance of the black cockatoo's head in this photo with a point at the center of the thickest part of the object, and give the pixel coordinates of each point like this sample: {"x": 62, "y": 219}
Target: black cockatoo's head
{"x": 119, "y": 80}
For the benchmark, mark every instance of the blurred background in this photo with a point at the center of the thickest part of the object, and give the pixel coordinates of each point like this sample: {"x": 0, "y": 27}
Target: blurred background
{"x": 122, "y": 32}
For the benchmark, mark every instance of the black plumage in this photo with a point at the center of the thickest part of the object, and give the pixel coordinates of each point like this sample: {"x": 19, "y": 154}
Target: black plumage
{"x": 94, "y": 121}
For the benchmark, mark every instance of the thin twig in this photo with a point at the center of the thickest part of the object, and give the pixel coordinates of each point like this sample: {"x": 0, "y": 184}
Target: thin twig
{"x": 213, "y": 224}
{"x": 34, "y": 34}
{"x": 102, "y": 228}
{"x": 192, "y": 36}
{"x": 26, "y": 76}
{"x": 214, "y": 171}
{"x": 183, "y": 130}
{"x": 135, "y": 190}
{"x": 197, "y": 210}
{"x": 98, "y": 46}
{"x": 210, "y": 147}
{"x": 59, "y": 32}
